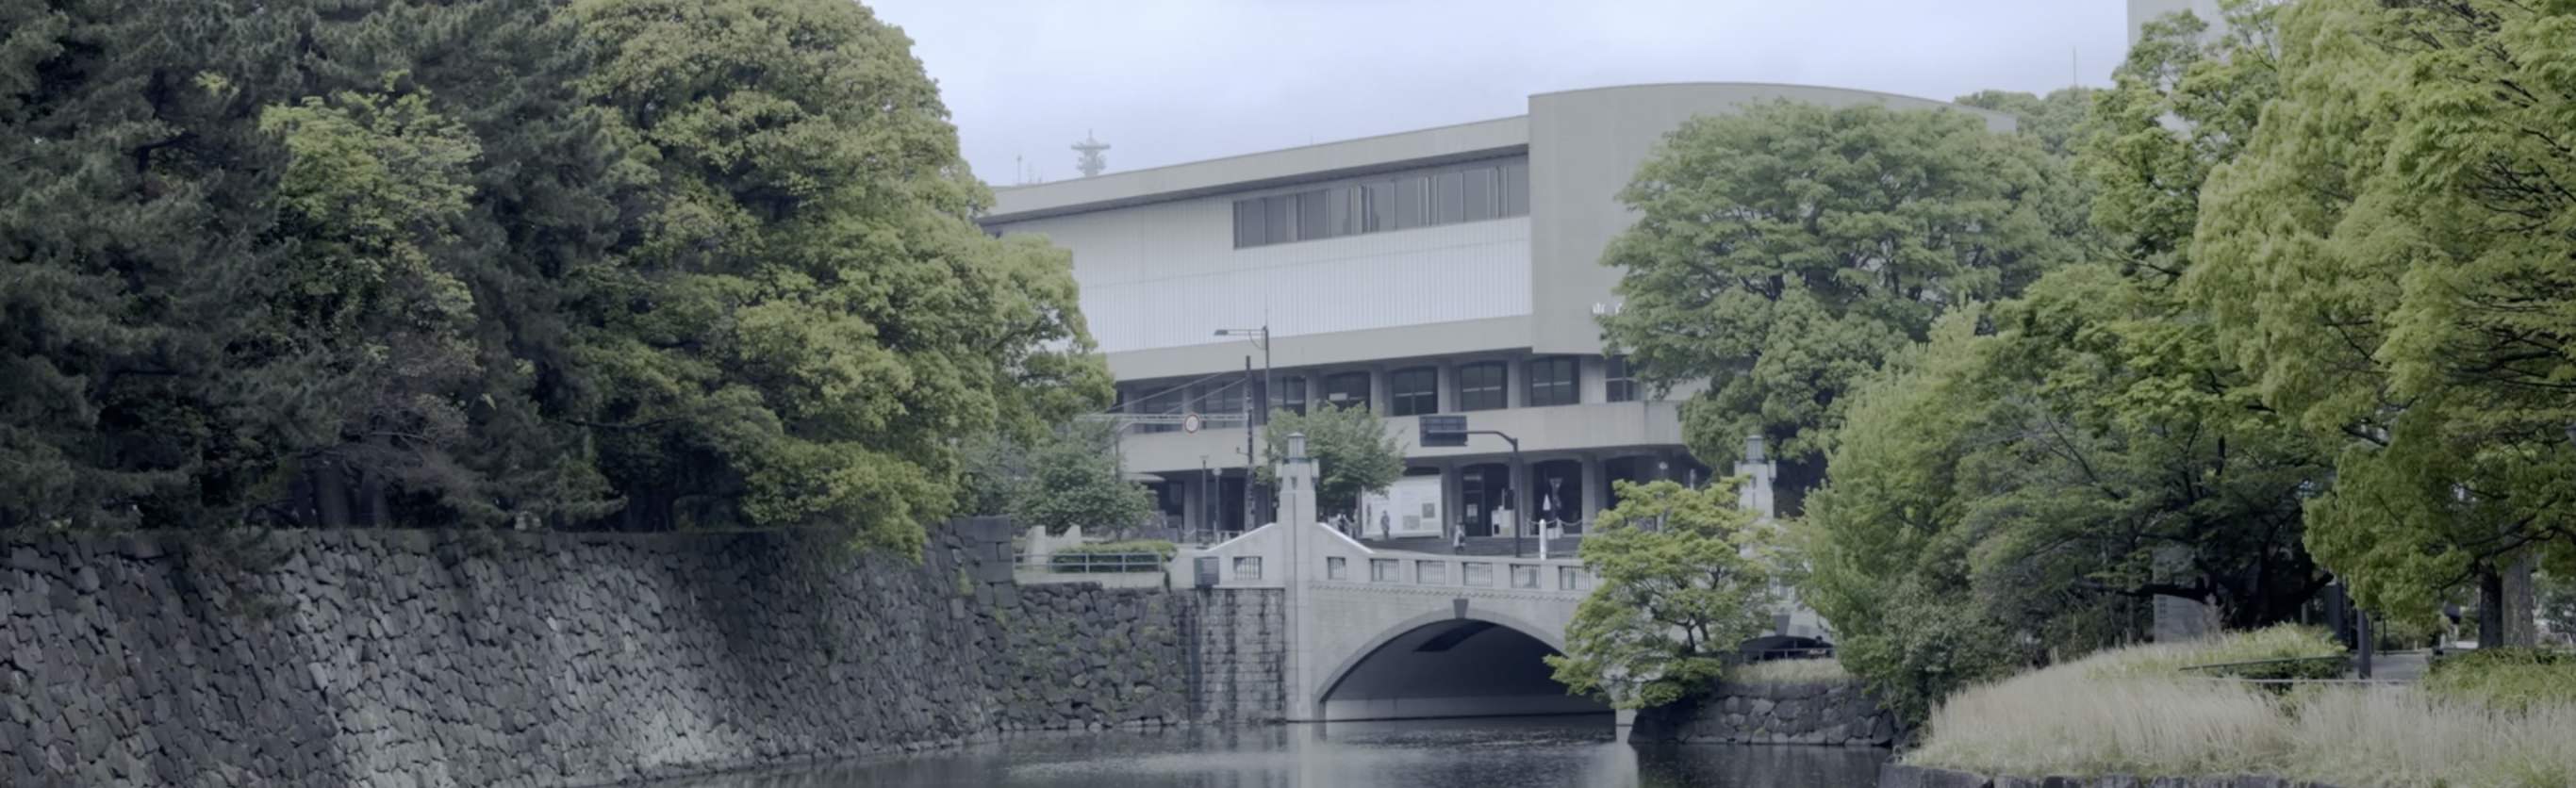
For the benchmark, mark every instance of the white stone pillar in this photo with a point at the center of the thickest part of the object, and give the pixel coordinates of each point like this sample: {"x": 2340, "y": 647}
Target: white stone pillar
{"x": 1297, "y": 517}
{"x": 1759, "y": 472}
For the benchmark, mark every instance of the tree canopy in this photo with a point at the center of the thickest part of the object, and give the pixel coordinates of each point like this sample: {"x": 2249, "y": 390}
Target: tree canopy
{"x": 2392, "y": 256}
{"x": 1781, "y": 253}
{"x": 1685, "y": 578}
{"x": 610, "y": 263}
{"x": 1072, "y": 477}
{"x": 1353, "y": 453}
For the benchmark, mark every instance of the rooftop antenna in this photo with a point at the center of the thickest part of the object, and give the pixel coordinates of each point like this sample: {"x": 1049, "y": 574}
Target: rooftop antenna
{"x": 1092, "y": 162}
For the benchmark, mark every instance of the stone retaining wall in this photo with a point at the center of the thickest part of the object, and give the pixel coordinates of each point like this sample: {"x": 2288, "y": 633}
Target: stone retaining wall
{"x": 1898, "y": 775}
{"x": 1838, "y": 714}
{"x": 479, "y": 659}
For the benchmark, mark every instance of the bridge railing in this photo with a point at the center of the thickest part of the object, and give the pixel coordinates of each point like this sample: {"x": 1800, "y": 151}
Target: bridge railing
{"x": 1460, "y": 572}
{"x": 1092, "y": 563}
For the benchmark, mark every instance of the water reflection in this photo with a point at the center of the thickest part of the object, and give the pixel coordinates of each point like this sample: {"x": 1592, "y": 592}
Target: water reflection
{"x": 1488, "y": 753}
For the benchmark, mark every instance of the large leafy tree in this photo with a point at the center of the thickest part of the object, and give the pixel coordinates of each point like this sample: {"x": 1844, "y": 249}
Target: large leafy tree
{"x": 2393, "y": 256}
{"x": 1781, "y": 253}
{"x": 1685, "y": 578}
{"x": 1071, "y": 478}
{"x": 1353, "y": 453}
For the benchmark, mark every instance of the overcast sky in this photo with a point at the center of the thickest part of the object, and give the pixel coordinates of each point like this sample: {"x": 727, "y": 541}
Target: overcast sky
{"x": 1169, "y": 81}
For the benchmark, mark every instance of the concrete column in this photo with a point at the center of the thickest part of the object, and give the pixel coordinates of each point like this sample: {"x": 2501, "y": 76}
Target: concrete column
{"x": 1448, "y": 375}
{"x": 1516, "y": 383}
{"x": 1297, "y": 516}
{"x": 1596, "y": 489}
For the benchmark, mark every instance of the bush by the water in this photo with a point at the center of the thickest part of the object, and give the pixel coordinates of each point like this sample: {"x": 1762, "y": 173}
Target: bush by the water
{"x": 2134, "y": 711}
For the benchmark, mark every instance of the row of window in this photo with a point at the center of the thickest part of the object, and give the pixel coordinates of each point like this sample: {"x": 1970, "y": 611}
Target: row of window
{"x": 1434, "y": 573}
{"x": 1464, "y": 194}
{"x": 1411, "y": 391}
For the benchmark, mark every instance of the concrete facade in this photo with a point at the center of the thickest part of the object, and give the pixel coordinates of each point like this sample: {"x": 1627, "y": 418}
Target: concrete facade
{"x": 1433, "y": 309}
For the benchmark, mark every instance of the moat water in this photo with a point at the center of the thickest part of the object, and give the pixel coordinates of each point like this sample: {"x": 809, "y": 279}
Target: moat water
{"x": 1483, "y": 753}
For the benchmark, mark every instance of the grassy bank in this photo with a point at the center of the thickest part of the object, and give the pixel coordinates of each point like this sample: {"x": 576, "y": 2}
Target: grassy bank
{"x": 2134, "y": 711}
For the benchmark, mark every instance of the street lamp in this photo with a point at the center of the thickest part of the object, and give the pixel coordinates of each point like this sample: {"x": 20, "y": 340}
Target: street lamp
{"x": 1259, "y": 336}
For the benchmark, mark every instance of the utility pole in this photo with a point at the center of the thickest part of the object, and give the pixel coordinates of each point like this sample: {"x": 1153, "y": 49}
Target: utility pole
{"x": 1261, "y": 415}
{"x": 1248, "y": 455}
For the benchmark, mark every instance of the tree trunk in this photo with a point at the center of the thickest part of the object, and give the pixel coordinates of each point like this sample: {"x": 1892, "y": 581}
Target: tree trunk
{"x": 2490, "y": 608}
{"x": 2521, "y": 625}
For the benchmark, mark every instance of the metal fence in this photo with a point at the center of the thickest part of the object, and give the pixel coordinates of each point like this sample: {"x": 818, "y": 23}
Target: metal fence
{"x": 1092, "y": 563}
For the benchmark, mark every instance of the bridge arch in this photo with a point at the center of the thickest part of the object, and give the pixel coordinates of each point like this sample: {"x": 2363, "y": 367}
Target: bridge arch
{"x": 1445, "y": 664}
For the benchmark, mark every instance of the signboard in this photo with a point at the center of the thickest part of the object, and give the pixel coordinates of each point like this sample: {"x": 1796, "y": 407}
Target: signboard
{"x": 1444, "y": 431}
{"x": 1409, "y": 507}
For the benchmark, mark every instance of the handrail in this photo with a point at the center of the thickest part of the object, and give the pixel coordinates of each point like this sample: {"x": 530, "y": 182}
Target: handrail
{"x": 1092, "y": 563}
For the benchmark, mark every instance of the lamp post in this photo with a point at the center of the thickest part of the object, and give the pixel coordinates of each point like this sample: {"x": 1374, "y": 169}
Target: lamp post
{"x": 1259, "y": 336}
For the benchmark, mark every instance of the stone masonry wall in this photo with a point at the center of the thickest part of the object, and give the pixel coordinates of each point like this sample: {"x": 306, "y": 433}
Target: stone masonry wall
{"x": 1839, "y": 714}
{"x": 478, "y": 659}
{"x": 1241, "y": 659}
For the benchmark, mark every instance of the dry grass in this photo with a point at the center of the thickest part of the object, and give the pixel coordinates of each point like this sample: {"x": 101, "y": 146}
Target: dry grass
{"x": 1791, "y": 671}
{"x": 2129, "y": 712}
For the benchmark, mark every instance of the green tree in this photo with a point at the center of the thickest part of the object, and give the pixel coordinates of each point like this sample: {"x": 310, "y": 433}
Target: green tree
{"x": 2391, "y": 258}
{"x": 808, "y": 314}
{"x": 1781, "y": 253}
{"x": 1353, "y": 453}
{"x": 1075, "y": 478}
{"x": 1684, "y": 581}
{"x": 2058, "y": 120}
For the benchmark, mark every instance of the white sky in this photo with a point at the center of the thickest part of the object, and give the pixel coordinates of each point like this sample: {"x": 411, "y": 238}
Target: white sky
{"x": 1169, "y": 81}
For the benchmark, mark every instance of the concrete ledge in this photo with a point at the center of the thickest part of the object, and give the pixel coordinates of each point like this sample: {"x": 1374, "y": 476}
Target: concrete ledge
{"x": 1901, "y": 775}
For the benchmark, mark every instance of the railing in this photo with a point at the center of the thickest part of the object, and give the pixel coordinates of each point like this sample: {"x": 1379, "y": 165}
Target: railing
{"x": 1092, "y": 563}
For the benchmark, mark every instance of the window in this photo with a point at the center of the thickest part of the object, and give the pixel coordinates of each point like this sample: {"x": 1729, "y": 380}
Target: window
{"x": 1475, "y": 573}
{"x": 1524, "y": 576}
{"x": 1291, "y": 395}
{"x": 1280, "y": 216}
{"x": 1161, "y": 403}
{"x": 1480, "y": 386}
{"x": 1249, "y": 224}
{"x": 1312, "y": 222}
{"x": 1616, "y": 381}
{"x": 1423, "y": 199}
{"x": 1349, "y": 389}
{"x": 1448, "y": 203}
{"x": 1247, "y": 567}
{"x": 1216, "y": 396}
{"x": 1477, "y": 193}
{"x": 1410, "y": 202}
{"x": 1378, "y": 207}
{"x": 1413, "y": 391}
{"x": 1433, "y": 573}
{"x": 1552, "y": 382}
{"x": 1337, "y": 568}
{"x": 1567, "y": 578}
{"x": 1385, "y": 570}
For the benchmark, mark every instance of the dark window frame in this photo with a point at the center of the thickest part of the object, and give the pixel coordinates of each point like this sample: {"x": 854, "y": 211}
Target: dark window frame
{"x": 1472, "y": 393}
{"x": 1403, "y": 401}
{"x": 1618, "y": 381}
{"x": 1546, "y": 389}
{"x": 1291, "y": 394}
{"x": 1364, "y": 398}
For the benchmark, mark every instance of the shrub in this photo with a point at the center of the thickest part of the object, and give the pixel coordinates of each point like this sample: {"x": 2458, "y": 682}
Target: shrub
{"x": 2511, "y": 679}
{"x": 1101, "y": 556}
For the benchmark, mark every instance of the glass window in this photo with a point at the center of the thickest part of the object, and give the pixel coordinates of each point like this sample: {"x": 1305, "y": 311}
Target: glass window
{"x": 1524, "y": 576}
{"x": 1477, "y": 191}
{"x": 1164, "y": 402}
{"x": 1313, "y": 223}
{"x": 1514, "y": 190}
{"x": 1247, "y": 567}
{"x": 1410, "y": 205}
{"x": 1347, "y": 390}
{"x": 1448, "y": 203}
{"x": 1414, "y": 391}
{"x": 1385, "y": 570}
{"x": 1248, "y": 224}
{"x": 1291, "y": 395}
{"x": 1616, "y": 382}
{"x": 1480, "y": 386}
{"x": 1474, "y": 573}
{"x": 1568, "y": 577}
{"x": 1279, "y": 215}
{"x": 1341, "y": 208}
{"x": 1431, "y": 573}
{"x": 1378, "y": 207}
{"x": 1337, "y": 568}
{"x": 1216, "y": 396}
{"x": 1552, "y": 382}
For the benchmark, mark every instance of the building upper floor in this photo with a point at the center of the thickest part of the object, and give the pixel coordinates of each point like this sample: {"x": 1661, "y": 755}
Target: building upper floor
{"x": 1481, "y": 237}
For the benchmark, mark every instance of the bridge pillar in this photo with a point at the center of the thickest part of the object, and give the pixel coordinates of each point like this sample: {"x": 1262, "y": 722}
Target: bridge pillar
{"x": 1297, "y": 517}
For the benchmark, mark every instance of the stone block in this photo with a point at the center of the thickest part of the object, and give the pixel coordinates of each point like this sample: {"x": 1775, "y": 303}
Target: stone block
{"x": 1898, "y": 775}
